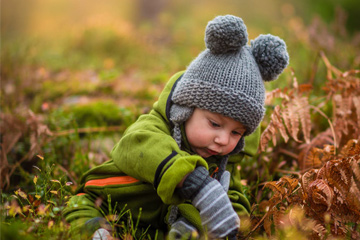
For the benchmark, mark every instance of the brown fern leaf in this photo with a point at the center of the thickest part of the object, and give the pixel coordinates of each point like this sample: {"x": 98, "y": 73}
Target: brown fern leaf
{"x": 278, "y": 216}
{"x": 304, "y": 88}
{"x": 354, "y": 192}
{"x": 319, "y": 231}
{"x": 356, "y": 102}
{"x": 289, "y": 183}
{"x": 313, "y": 159}
{"x": 291, "y": 119}
{"x": 276, "y": 118}
{"x": 342, "y": 112}
{"x": 267, "y": 225}
{"x": 355, "y": 166}
{"x": 338, "y": 174}
{"x": 342, "y": 213}
{"x": 268, "y": 134}
{"x": 274, "y": 186}
{"x": 318, "y": 141}
{"x": 308, "y": 178}
{"x": 276, "y": 93}
{"x": 305, "y": 119}
{"x": 351, "y": 148}
{"x": 327, "y": 153}
{"x": 321, "y": 196}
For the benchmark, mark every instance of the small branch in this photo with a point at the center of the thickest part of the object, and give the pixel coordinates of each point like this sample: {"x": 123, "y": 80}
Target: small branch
{"x": 67, "y": 173}
{"x": 89, "y": 130}
{"x": 330, "y": 68}
{"x": 286, "y": 152}
{"x": 331, "y": 126}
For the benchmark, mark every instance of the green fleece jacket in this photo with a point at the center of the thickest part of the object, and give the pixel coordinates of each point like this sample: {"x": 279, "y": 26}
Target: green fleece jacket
{"x": 145, "y": 167}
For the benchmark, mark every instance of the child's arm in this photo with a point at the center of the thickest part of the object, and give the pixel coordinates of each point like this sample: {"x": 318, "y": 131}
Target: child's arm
{"x": 148, "y": 152}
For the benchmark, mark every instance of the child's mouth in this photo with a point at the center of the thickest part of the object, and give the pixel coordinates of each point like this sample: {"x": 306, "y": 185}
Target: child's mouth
{"x": 212, "y": 152}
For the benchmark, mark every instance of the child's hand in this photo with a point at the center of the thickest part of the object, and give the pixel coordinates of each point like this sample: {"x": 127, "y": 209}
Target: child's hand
{"x": 102, "y": 234}
{"x": 209, "y": 197}
{"x": 183, "y": 229}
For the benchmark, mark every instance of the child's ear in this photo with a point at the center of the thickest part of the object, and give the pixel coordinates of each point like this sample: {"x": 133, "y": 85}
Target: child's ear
{"x": 271, "y": 55}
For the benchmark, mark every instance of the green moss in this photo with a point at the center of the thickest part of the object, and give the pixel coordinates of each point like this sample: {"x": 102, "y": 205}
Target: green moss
{"x": 101, "y": 113}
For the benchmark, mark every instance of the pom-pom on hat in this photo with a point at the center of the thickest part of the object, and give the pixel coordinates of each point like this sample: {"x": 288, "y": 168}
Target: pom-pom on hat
{"x": 228, "y": 76}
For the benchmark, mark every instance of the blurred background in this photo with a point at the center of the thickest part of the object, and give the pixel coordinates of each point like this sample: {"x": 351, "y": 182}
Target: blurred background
{"x": 92, "y": 47}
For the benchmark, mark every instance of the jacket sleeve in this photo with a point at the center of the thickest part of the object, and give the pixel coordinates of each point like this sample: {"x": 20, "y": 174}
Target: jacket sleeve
{"x": 148, "y": 152}
{"x": 239, "y": 201}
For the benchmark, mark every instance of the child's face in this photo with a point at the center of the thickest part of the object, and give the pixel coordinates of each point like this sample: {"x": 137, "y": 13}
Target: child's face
{"x": 211, "y": 133}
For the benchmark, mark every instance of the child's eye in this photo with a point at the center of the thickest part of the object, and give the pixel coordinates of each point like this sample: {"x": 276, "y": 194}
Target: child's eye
{"x": 236, "y": 133}
{"x": 214, "y": 124}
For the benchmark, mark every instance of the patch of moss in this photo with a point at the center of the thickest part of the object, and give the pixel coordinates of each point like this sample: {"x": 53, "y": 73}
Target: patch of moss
{"x": 100, "y": 113}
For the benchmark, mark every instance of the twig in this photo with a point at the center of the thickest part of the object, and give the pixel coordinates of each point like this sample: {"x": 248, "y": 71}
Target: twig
{"x": 291, "y": 154}
{"x": 67, "y": 173}
{"x": 89, "y": 130}
{"x": 330, "y": 68}
{"x": 331, "y": 126}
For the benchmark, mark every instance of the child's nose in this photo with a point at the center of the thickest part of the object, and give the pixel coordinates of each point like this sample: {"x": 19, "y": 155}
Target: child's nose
{"x": 222, "y": 138}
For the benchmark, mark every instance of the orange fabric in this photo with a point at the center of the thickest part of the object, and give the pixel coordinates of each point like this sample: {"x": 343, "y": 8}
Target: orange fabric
{"x": 215, "y": 171}
{"x": 111, "y": 181}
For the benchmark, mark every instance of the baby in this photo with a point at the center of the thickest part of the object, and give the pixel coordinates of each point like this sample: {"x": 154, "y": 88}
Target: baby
{"x": 179, "y": 164}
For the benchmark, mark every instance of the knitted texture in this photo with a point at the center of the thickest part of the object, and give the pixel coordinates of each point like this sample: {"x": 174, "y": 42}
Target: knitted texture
{"x": 193, "y": 182}
{"x": 227, "y": 77}
{"x": 178, "y": 115}
{"x": 182, "y": 229}
{"x": 217, "y": 214}
{"x": 225, "y": 180}
{"x": 209, "y": 196}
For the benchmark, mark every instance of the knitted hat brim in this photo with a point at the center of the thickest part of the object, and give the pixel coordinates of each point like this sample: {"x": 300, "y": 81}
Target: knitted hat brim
{"x": 218, "y": 99}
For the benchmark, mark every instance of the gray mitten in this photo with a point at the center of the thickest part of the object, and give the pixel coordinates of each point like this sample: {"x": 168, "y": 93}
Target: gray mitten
{"x": 225, "y": 180}
{"x": 209, "y": 197}
{"x": 183, "y": 229}
{"x": 101, "y": 228}
{"x": 101, "y": 234}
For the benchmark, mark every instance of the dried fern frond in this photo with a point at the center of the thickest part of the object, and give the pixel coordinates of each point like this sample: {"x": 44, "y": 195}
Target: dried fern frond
{"x": 343, "y": 88}
{"x": 305, "y": 118}
{"x": 321, "y": 195}
{"x": 329, "y": 196}
{"x": 275, "y": 187}
{"x": 304, "y": 159}
{"x": 287, "y": 116}
{"x": 290, "y": 114}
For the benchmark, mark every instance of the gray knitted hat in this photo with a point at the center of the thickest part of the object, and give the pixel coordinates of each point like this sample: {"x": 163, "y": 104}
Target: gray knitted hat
{"x": 227, "y": 77}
